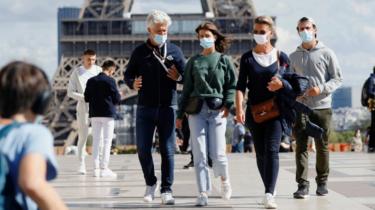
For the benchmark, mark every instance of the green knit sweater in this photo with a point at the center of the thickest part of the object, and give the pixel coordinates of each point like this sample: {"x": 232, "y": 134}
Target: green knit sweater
{"x": 199, "y": 70}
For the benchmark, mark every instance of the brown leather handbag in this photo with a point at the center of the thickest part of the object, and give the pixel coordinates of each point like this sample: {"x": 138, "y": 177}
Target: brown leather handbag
{"x": 265, "y": 111}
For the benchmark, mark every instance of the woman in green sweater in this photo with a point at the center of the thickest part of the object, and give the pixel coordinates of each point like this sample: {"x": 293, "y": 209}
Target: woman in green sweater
{"x": 209, "y": 78}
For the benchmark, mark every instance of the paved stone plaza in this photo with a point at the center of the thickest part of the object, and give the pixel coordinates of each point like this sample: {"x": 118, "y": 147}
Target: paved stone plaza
{"x": 351, "y": 184}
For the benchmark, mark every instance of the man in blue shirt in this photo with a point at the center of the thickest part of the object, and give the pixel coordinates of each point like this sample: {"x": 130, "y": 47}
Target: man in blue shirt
{"x": 153, "y": 70}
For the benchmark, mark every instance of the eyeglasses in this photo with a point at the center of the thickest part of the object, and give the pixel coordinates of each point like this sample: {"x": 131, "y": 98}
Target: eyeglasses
{"x": 262, "y": 32}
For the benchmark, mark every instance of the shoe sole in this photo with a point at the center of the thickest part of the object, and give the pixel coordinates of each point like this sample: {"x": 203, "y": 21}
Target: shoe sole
{"x": 320, "y": 194}
{"x": 301, "y": 197}
{"x": 168, "y": 203}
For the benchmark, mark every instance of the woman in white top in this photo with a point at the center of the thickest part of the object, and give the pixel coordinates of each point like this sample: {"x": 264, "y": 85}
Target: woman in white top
{"x": 259, "y": 69}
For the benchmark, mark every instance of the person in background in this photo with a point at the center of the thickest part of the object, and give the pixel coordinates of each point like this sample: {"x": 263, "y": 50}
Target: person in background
{"x": 356, "y": 144}
{"x": 368, "y": 100}
{"x": 26, "y": 147}
{"x": 238, "y": 137}
{"x": 248, "y": 142}
{"x": 102, "y": 95}
{"x": 76, "y": 89}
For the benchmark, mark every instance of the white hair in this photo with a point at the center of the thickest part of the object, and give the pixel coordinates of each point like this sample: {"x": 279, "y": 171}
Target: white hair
{"x": 157, "y": 16}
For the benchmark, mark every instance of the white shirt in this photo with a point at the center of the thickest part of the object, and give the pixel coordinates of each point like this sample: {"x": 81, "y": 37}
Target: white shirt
{"x": 266, "y": 60}
{"x": 78, "y": 80}
{"x": 86, "y": 74}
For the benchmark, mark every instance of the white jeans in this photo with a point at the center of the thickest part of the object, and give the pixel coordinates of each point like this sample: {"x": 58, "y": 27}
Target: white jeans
{"x": 102, "y": 131}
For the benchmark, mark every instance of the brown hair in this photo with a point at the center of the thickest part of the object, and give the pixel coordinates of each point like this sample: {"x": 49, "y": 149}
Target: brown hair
{"x": 222, "y": 42}
{"x": 20, "y": 85}
{"x": 265, "y": 20}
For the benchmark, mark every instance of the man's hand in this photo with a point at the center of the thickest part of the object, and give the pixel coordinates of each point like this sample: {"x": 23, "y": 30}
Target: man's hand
{"x": 275, "y": 84}
{"x": 173, "y": 73}
{"x": 314, "y": 91}
{"x": 137, "y": 84}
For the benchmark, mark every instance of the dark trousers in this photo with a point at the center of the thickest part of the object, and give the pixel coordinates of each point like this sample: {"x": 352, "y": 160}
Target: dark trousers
{"x": 162, "y": 118}
{"x": 267, "y": 137}
{"x": 371, "y": 143}
{"x": 322, "y": 118}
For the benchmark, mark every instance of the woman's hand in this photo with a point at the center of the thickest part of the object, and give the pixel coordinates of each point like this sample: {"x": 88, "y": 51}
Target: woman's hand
{"x": 178, "y": 123}
{"x": 226, "y": 111}
{"x": 275, "y": 84}
{"x": 240, "y": 116}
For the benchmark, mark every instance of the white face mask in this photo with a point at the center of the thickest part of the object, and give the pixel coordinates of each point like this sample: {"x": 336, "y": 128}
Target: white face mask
{"x": 261, "y": 38}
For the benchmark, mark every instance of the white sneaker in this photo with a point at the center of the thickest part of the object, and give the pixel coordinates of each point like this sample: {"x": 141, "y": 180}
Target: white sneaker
{"x": 167, "y": 198}
{"x": 202, "y": 199}
{"x": 226, "y": 190}
{"x": 150, "y": 193}
{"x": 269, "y": 201}
{"x": 107, "y": 173}
{"x": 82, "y": 168}
{"x": 96, "y": 172}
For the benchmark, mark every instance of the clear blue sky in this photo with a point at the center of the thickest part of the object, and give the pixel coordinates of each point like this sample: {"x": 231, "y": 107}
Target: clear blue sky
{"x": 29, "y": 31}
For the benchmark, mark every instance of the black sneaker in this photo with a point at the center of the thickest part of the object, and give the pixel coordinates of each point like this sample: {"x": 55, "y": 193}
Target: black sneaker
{"x": 322, "y": 190}
{"x": 302, "y": 192}
{"x": 189, "y": 165}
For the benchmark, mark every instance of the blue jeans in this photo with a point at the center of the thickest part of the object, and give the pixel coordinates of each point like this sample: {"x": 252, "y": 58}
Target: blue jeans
{"x": 207, "y": 134}
{"x": 162, "y": 118}
{"x": 238, "y": 148}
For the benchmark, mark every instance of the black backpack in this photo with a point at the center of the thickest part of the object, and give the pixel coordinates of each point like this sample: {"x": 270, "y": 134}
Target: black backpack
{"x": 368, "y": 90}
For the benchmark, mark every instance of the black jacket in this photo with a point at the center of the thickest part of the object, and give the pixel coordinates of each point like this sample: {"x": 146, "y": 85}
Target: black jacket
{"x": 157, "y": 89}
{"x": 102, "y": 95}
{"x": 295, "y": 85}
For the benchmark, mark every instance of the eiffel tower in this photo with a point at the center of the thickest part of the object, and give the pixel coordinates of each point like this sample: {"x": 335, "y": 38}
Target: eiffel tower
{"x": 112, "y": 29}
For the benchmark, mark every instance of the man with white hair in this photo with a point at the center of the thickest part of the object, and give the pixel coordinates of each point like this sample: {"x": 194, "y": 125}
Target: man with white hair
{"x": 153, "y": 70}
{"x": 320, "y": 65}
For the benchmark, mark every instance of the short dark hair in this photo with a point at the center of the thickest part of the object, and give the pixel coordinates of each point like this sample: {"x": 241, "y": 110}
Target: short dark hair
{"x": 108, "y": 64}
{"x": 20, "y": 85}
{"x": 308, "y": 19}
{"x": 89, "y": 52}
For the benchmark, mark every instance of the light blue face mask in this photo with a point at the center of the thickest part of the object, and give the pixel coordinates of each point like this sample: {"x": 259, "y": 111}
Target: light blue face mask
{"x": 207, "y": 42}
{"x": 306, "y": 36}
{"x": 39, "y": 119}
{"x": 160, "y": 39}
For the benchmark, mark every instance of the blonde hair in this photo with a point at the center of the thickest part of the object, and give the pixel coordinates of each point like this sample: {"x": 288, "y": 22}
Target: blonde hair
{"x": 265, "y": 20}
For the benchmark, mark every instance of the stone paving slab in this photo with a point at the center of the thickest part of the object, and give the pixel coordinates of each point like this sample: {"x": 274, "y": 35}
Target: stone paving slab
{"x": 351, "y": 184}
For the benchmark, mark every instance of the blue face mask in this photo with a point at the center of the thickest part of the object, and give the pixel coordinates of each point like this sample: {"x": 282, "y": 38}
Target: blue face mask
{"x": 306, "y": 36}
{"x": 207, "y": 42}
{"x": 160, "y": 39}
